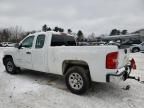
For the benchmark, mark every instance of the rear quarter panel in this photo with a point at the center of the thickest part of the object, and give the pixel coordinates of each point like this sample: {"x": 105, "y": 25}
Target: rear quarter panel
{"x": 94, "y": 56}
{"x": 123, "y": 58}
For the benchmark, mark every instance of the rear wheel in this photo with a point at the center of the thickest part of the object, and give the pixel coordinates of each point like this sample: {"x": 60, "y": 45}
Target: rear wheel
{"x": 77, "y": 80}
{"x": 10, "y": 66}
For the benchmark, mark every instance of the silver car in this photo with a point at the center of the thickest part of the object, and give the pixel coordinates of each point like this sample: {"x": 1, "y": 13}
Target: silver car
{"x": 7, "y": 44}
{"x": 137, "y": 47}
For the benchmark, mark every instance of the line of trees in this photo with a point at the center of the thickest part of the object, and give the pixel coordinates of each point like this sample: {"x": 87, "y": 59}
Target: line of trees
{"x": 15, "y": 34}
{"x": 80, "y": 35}
{"x": 118, "y": 32}
{"x": 10, "y": 34}
{"x": 56, "y": 29}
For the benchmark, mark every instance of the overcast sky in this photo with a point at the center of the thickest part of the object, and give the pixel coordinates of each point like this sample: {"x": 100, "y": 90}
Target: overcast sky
{"x": 98, "y": 16}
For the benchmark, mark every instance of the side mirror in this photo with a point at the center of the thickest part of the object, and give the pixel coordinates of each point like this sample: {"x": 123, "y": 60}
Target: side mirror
{"x": 18, "y": 46}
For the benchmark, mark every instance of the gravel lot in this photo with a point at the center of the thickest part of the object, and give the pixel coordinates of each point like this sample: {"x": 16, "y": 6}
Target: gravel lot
{"x": 30, "y": 89}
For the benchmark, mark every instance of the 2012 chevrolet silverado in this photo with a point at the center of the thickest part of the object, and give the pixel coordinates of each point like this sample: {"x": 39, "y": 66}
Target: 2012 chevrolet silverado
{"x": 58, "y": 53}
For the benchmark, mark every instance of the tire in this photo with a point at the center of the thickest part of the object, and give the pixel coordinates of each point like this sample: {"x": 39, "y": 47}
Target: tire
{"x": 10, "y": 66}
{"x": 77, "y": 80}
{"x": 134, "y": 50}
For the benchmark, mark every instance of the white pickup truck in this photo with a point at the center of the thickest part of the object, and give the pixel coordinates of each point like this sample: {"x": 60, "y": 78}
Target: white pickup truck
{"x": 57, "y": 53}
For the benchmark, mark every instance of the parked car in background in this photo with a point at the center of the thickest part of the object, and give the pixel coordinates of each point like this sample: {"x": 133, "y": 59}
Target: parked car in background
{"x": 98, "y": 43}
{"x": 137, "y": 47}
{"x": 83, "y": 44}
{"x": 114, "y": 43}
{"x": 7, "y": 44}
{"x": 129, "y": 43}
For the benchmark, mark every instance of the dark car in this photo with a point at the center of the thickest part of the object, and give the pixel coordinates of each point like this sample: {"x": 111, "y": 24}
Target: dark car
{"x": 0, "y": 45}
{"x": 130, "y": 43}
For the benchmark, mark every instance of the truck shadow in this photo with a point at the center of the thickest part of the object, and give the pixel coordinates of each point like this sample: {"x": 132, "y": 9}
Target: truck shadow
{"x": 107, "y": 90}
{"x": 42, "y": 78}
{"x": 56, "y": 81}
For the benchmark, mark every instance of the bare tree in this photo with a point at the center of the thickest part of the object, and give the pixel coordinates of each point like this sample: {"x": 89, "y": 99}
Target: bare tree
{"x": 16, "y": 33}
{"x": 80, "y": 36}
{"x": 91, "y": 37}
{"x": 5, "y": 34}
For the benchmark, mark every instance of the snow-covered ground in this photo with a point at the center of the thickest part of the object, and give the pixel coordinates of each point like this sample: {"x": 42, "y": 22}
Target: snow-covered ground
{"x": 30, "y": 89}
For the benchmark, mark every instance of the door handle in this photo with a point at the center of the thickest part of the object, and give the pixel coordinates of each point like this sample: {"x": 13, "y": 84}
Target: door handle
{"x": 28, "y": 52}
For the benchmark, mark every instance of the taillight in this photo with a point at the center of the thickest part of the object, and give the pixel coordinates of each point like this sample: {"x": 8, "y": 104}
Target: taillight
{"x": 112, "y": 60}
{"x": 133, "y": 64}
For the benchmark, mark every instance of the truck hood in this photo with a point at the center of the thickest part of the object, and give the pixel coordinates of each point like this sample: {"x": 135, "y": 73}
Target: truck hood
{"x": 9, "y": 51}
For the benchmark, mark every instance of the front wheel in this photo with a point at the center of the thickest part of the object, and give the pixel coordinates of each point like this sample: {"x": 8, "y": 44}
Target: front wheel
{"x": 77, "y": 80}
{"x": 10, "y": 66}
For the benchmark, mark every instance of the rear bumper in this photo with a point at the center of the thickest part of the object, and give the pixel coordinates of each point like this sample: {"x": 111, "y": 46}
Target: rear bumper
{"x": 121, "y": 74}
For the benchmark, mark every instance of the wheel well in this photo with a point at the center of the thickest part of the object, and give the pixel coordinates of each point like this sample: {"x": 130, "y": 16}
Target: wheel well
{"x": 5, "y": 57}
{"x": 69, "y": 63}
{"x": 136, "y": 48}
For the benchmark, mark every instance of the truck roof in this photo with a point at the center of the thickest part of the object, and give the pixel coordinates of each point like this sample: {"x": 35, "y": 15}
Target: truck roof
{"x": 52, "y": 32}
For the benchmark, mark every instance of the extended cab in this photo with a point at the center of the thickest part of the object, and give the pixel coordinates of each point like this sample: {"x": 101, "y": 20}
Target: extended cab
{"x": 58, "y": 53}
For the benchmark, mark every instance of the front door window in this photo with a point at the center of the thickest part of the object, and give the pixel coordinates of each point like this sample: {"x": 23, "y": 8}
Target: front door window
{"x": 28, "y": 42}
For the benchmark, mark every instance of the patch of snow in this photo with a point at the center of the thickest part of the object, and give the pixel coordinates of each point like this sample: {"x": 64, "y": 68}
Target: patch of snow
{"x": 30, "y": 89}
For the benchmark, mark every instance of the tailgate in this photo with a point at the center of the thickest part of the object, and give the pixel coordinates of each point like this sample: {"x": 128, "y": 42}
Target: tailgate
{"x": 123, "y": 58}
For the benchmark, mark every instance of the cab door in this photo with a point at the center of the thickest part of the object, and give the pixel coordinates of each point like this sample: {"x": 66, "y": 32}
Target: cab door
{"x": 24, "y": 54}
{"x": 39, "y": 54}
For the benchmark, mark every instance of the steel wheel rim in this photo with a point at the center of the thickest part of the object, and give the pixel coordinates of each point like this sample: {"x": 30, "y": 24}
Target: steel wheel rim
{"x": 76, "y": 81}
{"x": 10, "y": 66}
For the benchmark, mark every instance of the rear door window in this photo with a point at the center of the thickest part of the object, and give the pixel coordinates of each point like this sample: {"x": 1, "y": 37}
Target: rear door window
{"x": 70, "y": 41}
{"x": 57, "y": 40}
{"x": 60, "y": 40}
{"x": 40, "y": 41}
